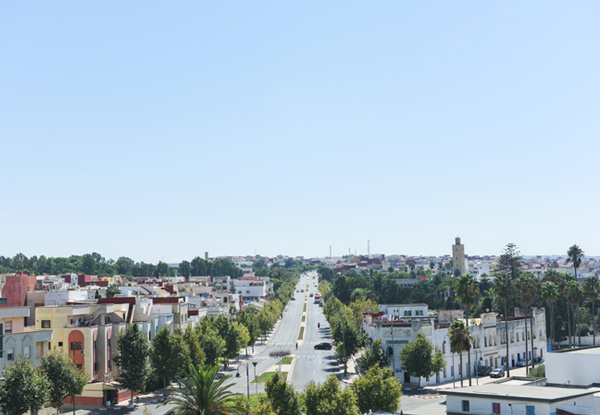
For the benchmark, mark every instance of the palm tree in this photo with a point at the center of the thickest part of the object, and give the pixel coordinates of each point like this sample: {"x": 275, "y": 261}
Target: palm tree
{"x": 591, "y": 289}
{"x": 467, "y": 292}
{"x": 503, "y": 287}
{"x": 550, "y": 294}
{"x": 575, "y": 254}
{"x": 204, "y": 395}
{"x": 526, "y": 294}
{"x": 460, "y": 342}
{"x": 573, "y": 294}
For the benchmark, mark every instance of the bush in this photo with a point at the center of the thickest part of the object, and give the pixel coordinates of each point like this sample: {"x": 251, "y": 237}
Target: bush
{"x": 537, "y": 372}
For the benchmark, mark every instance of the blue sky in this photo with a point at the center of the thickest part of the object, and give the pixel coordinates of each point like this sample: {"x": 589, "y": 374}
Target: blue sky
{"x": 160, "y": 130}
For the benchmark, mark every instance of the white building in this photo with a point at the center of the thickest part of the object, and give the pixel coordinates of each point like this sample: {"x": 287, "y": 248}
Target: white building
{"x": 250, "y": 288}
{"x": 521, "y": 399}
{"x": 397, "y": 324}
{"x": 63, "y": 297}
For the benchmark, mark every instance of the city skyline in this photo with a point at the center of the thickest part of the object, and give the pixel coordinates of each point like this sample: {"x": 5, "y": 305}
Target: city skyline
{"x": 159, "y": 131}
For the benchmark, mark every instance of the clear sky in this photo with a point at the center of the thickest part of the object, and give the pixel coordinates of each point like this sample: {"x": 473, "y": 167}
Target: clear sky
{"x": 160, "y": 130}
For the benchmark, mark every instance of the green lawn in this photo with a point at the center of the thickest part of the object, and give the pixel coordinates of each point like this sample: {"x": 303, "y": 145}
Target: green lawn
{"x": 255, "y": 399}
{"x": 301, "y": 336}
{"x": 287, "y": 360}
{"x": 264, "y": 378}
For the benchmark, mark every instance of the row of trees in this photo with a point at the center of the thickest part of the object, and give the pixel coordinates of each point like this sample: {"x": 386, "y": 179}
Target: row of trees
{"x": 143, "y": 364}
{"x": 345, "y": 321}
{"x": 27, "y": 388}
{"x": 377, "y": 390}
{"x": 95, "y": 263}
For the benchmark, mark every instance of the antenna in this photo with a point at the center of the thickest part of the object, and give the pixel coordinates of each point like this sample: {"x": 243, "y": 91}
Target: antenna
{"x": 330, "y": 256}
{"x": 369, "y": 247}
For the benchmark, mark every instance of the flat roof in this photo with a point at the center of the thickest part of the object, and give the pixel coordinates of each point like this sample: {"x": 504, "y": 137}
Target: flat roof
{"x": 545, "y": 394}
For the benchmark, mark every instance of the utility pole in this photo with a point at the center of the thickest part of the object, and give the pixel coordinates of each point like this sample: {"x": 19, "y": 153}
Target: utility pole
{"x": 330, "y": 256}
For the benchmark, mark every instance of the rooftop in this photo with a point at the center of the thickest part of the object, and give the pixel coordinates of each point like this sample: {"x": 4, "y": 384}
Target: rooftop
{"x": 545, "y": 394}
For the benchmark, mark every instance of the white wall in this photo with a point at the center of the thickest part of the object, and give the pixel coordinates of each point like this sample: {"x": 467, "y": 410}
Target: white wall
{"x": 574, "y": 368}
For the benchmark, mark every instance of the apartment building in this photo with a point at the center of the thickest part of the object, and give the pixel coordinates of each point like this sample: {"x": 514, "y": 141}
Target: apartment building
{"x": 88, "y": 334}
{"x": 397, "y": 324}
{"x": 19, "y": 340}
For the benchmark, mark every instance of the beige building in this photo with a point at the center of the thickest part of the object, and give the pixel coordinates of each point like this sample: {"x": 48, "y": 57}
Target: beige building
{"x": 458, "y": 257}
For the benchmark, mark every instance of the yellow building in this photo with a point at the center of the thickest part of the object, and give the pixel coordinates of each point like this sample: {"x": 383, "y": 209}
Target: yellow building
{"x": 458, "y": 257}
{"x": 88, "y": 333}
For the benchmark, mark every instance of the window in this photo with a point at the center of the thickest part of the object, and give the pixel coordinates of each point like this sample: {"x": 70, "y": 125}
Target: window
{"x": 26, "y": 352}
{"x": 60, "y": 344}
{"x": 496, "y": 408}
{"x": 10, "y": 355}
{"x": 8, "y": 326}
{"x": 529, "y": 410}
{"x": 465, "y": 406}
{"x": 46, "y": 324}
{"x": 76, "y": 346}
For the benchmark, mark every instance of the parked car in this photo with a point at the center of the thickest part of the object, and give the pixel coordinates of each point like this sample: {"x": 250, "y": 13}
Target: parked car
{"x": 484, "y": 370}
{"x": 523, "y": 363}
{"x": 323, "y": 346}
{"x": 311, "y": 294}
{"x": 293, "y": 298}
{"x": 497, "y": 373}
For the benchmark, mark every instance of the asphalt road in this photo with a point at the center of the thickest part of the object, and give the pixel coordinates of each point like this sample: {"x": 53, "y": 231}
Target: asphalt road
{"x": 310, "y": 364}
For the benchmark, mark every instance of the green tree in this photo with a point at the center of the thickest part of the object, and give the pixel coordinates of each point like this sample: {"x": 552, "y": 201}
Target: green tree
{"x": 526, "y": 284}
{"x": 249, "y": 318}
{"x": 124, "y": 265}
{"x": 575, "y": 255}
{"x": 550, "y": 295}
{"x": 283, "y": 398}
{"x": 202, "y": 394}
{"x": 373, "y": 355}
{"x": 417, "y": 357}
{"x": 65, "y": 379}
{"x": 467, "y": 293}
{"x": 510, "y": 261}
{"x": 460, "y": 342}
{"x": 211, "y": 343}
{"x": 573, "y": 294}
{"x": 329, "y": 399}
{"x": 112, "y": 290}
{"x": 438, "y": 362}
{"x": 196, "y": 353}
{"x": 161, "y": 269}
{"x": 377, "y": 390}
{"x": 132, "y": 360}
{"x": 185, "y": 269}
{"x": 591, "y": 289}
{"x": 88, "y": 264}
{"x": 168, "y": 355}
{"x": 24, "y": 388}
{"x": 504, "y": 289}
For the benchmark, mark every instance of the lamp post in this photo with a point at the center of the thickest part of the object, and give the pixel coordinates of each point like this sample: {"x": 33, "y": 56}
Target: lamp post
{"x": 255, "y": 379}
{"x": 237, "y": 375}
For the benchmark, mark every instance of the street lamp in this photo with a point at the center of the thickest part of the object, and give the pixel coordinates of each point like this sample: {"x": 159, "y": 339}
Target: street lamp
{"x": 237, "y": 375}
{"x": 255, "y": 379}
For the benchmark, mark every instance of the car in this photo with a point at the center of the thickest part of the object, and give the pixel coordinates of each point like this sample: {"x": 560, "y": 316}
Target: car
{"x": 323, "y": 346}
{"x": 523, "y": 363}
{"x": 484, "y": 370}
{"x": 497, "y": 373}
{"x": 293, "y": 298}
{"x": 311, "y": 294}
{"x": 302, "y": 290}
